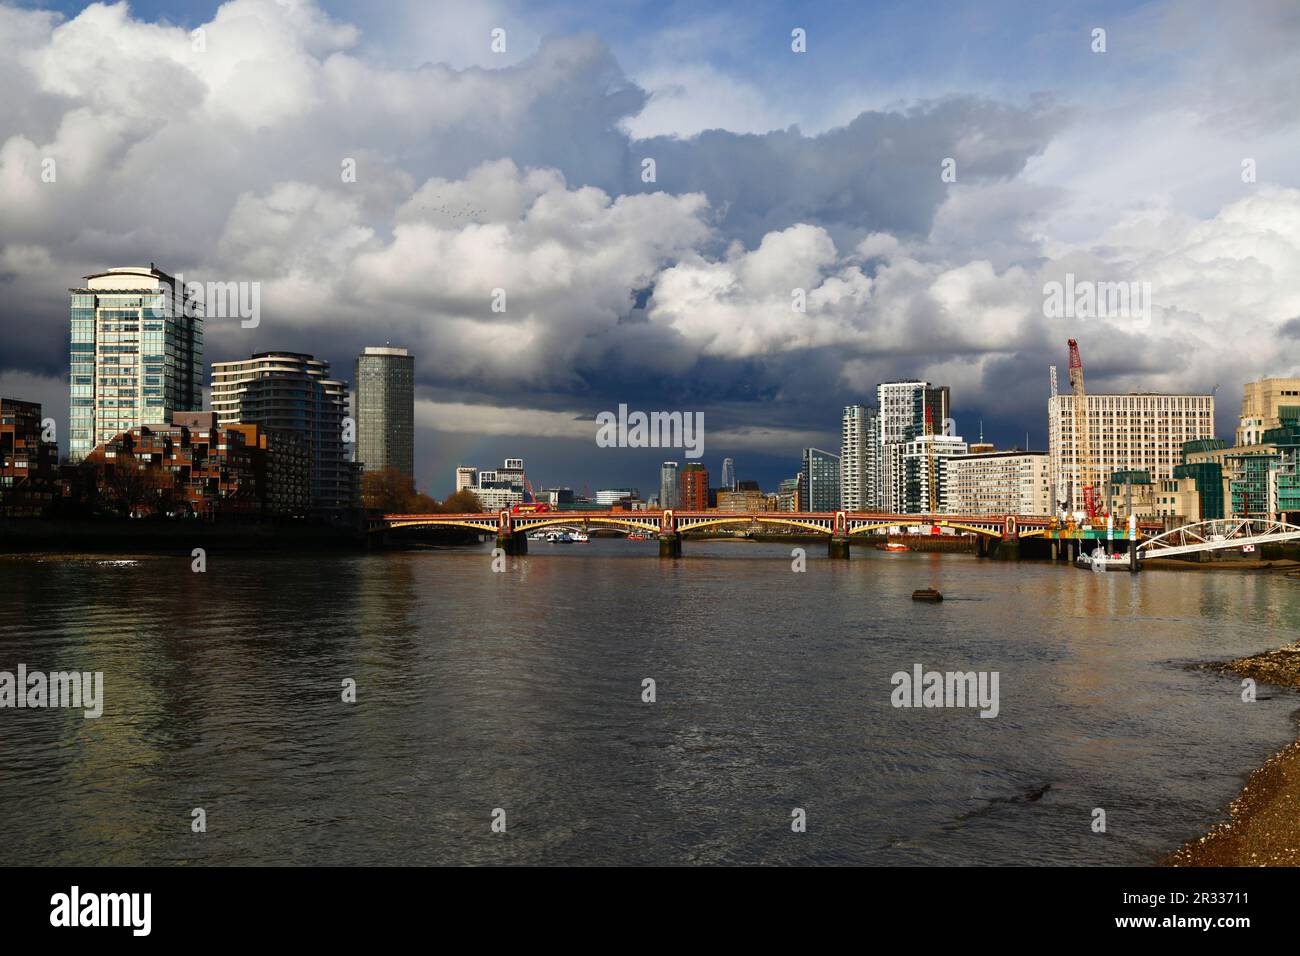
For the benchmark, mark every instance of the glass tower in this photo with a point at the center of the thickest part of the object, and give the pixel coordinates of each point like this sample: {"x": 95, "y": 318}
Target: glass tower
{"x": 819, "y": 481}
{"x": 728, "y": 474}
{"x": 136, "y": 355}
{"x": 668, "y": 485}
{"x": 385, "y": 409}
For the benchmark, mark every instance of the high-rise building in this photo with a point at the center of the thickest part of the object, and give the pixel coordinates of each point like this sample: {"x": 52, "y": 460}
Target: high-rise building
{"x": 998, "y": 483}
{"x": 1262, "y": 405}
{"x": 1140, "y": 431}
{"x": 136, "y": 354}
{"x": 668, "y": 485}
{"x": 819, "y": 481}
{"x": 293, "y": 392}
{"x": 694, "y": 487}
{"x": 385, "y": 409}
{"x": 860, "y": 459}
{"x": 913, "y": 490}
{"x": 903, "y": 408}
{"x": 728, "y": 474}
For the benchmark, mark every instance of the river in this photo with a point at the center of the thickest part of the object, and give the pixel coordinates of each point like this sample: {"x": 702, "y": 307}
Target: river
{"x": 522, "y": 691}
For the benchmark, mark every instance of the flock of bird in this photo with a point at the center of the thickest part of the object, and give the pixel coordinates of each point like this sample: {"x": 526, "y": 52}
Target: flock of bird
{"x": 466, "y": 212}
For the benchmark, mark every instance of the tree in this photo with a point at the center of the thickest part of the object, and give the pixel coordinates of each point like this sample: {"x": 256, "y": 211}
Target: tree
{"x": 393, "y": 492}
{"x": 461, "y": 502}
{"x": 127, "y": 485}
{"x": 386, "y": 490}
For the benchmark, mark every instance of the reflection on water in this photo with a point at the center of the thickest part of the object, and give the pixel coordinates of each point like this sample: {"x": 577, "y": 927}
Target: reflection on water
{"x": 522, "y": 691}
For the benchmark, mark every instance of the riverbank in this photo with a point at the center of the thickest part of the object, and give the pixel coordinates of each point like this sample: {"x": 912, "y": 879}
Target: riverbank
{"x": 1263, "y": 825}
{"x": 118, "y": 536}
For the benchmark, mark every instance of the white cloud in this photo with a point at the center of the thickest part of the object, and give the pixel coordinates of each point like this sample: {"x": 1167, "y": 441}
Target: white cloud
{"x": 477, "y": 173}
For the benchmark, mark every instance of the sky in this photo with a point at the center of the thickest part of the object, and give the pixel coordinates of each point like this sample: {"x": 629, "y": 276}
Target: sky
{"x": 922, "y": 172}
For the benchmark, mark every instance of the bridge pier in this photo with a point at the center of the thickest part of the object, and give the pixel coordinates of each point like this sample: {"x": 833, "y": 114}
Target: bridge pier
{"x": 838, "y": 546}
{"x": 670, "y": 544}
{"x": 1008, "y": 549}
{"x": 513, "y": 543}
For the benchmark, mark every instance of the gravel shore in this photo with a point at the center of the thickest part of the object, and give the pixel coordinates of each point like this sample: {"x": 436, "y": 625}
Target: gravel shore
{"x": 1263, "y": 825}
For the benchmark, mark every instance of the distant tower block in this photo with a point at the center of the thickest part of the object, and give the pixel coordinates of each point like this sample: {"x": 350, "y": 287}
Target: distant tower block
{"x": 729, "y": 474}
{"x": 385, "y": 409}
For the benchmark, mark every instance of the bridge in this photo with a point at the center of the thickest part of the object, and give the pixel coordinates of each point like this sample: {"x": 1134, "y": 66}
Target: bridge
{"x": 1218, "y": 535}
{"x": 839, "y": 527}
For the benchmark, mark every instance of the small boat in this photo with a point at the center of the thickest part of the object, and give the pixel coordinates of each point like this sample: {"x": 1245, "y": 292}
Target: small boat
{"x": 578, "y": 536}
{"x": 927, "y": 594}
{"x": 638, "y": 537}
{"x": 893, "y": 546}
{"x": 1099, "y": 560}
{"x": 559, "y": 537}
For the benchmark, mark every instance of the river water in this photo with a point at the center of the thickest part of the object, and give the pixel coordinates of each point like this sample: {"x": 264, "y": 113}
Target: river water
{"x": 522, "y": 691}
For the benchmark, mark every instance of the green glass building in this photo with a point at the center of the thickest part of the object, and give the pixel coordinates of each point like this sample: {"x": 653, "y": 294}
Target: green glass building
{"x": 136, "y": 355}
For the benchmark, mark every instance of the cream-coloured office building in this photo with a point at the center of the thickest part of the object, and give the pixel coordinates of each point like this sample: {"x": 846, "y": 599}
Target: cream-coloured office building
{"x": 999, "y": 483}
{"x": 1141, "y": 431}
{"x": 1260, "y": 402}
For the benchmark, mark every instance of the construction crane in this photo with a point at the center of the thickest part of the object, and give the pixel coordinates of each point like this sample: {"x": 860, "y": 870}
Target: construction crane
{"x": 1082, "y": 435}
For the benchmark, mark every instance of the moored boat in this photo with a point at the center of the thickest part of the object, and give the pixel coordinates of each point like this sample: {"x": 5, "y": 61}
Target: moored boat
{"x": 1099, "y": 560}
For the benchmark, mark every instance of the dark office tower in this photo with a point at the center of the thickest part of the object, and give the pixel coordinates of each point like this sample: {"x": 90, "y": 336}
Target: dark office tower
{"x": 819, "y": 481}
{"x": 385, "y": 409}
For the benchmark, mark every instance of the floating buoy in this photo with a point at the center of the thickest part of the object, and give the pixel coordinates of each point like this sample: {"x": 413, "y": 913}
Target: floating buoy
{"x": 926, "y": 594}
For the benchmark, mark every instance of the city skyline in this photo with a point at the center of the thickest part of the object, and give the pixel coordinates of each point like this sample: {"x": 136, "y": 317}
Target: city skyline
{"x": 906, "y": 274}
{"x": 886, "y": 461}
{"x": 892, "y": 455}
